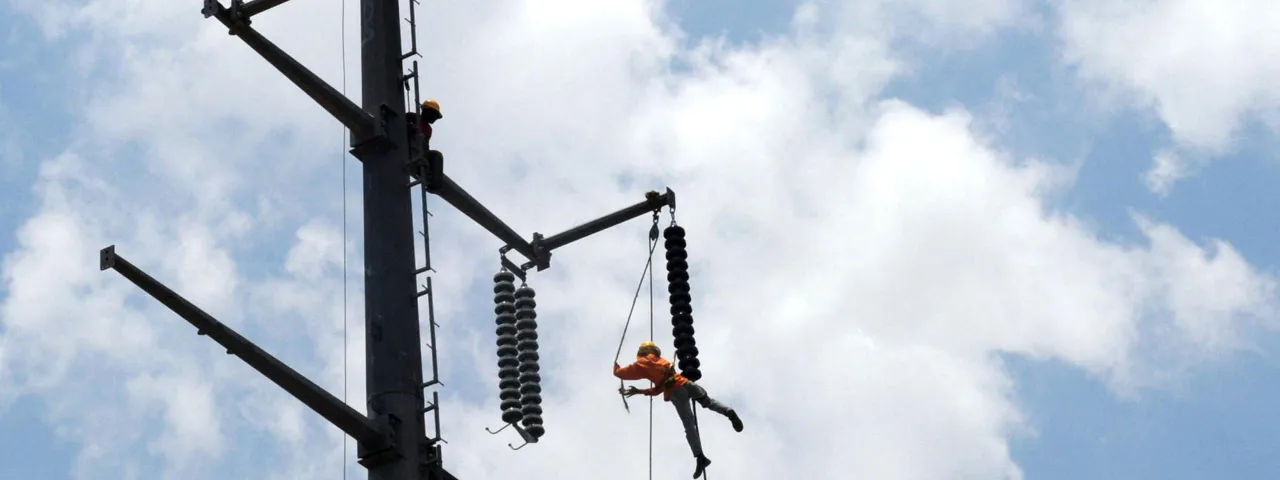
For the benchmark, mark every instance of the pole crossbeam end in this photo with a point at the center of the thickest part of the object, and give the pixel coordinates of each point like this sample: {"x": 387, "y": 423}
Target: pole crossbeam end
{"x": 353, "y": 423}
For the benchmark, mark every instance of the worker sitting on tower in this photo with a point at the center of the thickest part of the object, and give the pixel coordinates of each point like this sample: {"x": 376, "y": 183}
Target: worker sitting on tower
{"x": 434, "y": 159}
{"x": 676, "y": 389}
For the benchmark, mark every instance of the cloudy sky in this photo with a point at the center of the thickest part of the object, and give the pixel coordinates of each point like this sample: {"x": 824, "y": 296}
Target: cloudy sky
{"x": 931, "y": 239}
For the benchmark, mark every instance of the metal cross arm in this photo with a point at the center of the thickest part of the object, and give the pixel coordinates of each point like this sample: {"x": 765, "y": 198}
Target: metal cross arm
{"x": 254, "y": 7}
{"x": 469, "y": 206}
{"x": 601, "y": 224}
{"x": 362, "y": 124}
{"x": 542, "y": 247}
{"x": 332, "y": 409}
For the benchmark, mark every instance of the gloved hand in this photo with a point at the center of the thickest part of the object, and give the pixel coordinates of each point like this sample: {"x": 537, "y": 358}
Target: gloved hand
{"x": 629, "y": 391}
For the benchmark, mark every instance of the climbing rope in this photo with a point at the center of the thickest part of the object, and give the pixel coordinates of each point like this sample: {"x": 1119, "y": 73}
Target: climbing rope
{"x": 343, "y": 157}
{"x": 653, "y": 244}
{"x": 646, "y": 273}
{"x": 693, "y": 407}
{"x": 653, "y": 237}
{"x": 681, "y": 317}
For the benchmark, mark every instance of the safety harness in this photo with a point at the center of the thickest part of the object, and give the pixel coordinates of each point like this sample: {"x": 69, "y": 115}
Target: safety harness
{"x": 669, "y": 381}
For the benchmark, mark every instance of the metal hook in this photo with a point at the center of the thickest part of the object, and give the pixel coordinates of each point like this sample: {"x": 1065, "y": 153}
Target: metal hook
{"x": 624, "y": 397}
{"x": 523, "y": 434}
{"x": 509, "y": 266}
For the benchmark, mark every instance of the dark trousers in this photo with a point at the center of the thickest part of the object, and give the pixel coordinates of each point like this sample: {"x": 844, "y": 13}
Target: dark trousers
{"x": 682, "y": 398}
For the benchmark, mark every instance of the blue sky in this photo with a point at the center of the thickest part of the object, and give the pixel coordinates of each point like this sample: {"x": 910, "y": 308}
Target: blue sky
{"x": 1218, "y": 423}
{"x": 1213, "y": 421}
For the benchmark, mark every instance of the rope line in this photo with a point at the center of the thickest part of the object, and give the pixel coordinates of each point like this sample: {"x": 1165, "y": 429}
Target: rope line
{"x": 652, "y": 244}
{"x": 647, "y": 272}
{"x": 693, "y": 407}
{"x": 343, "y": 164}
{"x": 655, "y": 243}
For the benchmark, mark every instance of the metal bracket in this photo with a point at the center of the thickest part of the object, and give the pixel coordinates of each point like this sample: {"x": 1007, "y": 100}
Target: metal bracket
{"x": 237, "y": 12}
{"x": 210, "y": 8}
{"x": 385, "y": 113}
{"x": 511, "y": 266}
{"x": 372, "y": 455}
{"x": 378, "y": 140}
{"x": 541, "y": 254}
{"x": 523, "y": 435}
{"x": 361, "y": 147}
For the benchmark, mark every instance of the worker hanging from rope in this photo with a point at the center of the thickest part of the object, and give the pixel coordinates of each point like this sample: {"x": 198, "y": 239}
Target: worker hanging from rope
{"x": 433, "y": 158}
{"x": 678, "y": 390}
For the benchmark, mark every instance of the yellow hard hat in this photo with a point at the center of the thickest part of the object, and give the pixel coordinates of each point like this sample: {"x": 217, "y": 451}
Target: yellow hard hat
{"x": 648, "y": 346}
{"x": 432, "y": 105}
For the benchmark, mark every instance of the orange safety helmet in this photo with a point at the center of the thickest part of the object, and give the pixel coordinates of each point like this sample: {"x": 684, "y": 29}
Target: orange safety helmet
{"x": 647, "y": 347}
{"x": 432, "y": 105}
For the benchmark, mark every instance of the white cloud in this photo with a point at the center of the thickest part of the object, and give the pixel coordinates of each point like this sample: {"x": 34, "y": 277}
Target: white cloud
{"x": 190, "y": 415}
{"x": 1168, "y": 168}
{"x": 858, "y": 263}
{"x": 1205, "y": 67}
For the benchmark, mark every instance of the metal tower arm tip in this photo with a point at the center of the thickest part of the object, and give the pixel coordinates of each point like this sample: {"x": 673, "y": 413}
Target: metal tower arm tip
{"x": 651, "y": 203}
{"x": 107, "y": 258}
{"x": 364, "y": 127}
{"x": 368, "y": 433}
{"x": 245, "y": 9}
{"x": 254, "y": 7}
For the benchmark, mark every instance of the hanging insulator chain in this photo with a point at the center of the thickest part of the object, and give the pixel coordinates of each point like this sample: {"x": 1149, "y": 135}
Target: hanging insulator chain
{"x": 681, "y": 302}
{"x": 504, "y": 300}
{"x": 530, "y": 380}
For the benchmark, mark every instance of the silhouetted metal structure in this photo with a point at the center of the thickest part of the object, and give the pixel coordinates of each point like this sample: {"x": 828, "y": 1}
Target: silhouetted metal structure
{"x": 391, "y": 438}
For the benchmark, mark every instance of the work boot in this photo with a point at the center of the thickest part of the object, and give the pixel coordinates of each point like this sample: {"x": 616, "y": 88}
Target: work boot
{"x": 737, "y": 422}
{"x": 703, "y": 461}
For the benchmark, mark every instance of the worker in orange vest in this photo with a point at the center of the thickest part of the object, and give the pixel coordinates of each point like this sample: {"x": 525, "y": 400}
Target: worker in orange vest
{"x": 435, "y": 159}
{"x": 430, "y": 113}
{"x": 678, "y": 390}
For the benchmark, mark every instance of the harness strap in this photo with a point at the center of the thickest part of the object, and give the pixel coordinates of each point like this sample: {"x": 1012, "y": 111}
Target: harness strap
{"x": 669, "y": 381}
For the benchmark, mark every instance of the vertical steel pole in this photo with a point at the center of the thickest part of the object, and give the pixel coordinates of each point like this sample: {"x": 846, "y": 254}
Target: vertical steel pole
{"x": 393, "y": 352}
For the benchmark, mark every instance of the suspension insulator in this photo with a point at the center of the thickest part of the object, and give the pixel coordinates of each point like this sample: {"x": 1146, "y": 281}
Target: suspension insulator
{"x": 530, "y": 380}
{"x": 504, "y": 300}
{"x": 681, "y": 302}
